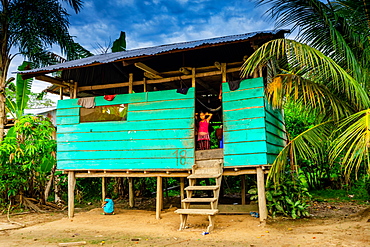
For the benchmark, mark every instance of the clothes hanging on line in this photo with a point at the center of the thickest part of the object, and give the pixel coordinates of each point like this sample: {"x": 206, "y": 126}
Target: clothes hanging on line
{"x": 88, "y": 102}
{"x": 183, "y": 90}
{"x": 234, "y": 85}
{"x": 109, "y": 97}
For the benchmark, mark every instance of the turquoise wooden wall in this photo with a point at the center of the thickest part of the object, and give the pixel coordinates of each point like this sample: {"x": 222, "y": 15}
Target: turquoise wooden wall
{"x": 253, "y": 131}
{"x": 158, "y": 134}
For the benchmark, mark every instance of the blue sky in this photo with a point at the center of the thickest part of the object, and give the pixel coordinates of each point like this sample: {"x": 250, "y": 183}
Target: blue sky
{"x": 156, "y": 22}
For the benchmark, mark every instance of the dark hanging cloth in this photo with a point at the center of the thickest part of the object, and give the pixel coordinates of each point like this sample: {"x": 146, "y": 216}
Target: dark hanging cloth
{"x": 109, "y": 97}
{"x": 234, "y": 85}
{"x": 88, "y": 102}
{"x": 183, "y": 90}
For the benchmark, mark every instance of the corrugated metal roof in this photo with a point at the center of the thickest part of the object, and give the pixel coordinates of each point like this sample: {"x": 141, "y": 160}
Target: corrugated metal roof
{"x": 112, "y": 57}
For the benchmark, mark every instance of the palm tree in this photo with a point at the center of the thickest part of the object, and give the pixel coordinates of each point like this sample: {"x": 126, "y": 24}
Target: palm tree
{"x": 326, "y": 70}
{"x": 31, "y": 27}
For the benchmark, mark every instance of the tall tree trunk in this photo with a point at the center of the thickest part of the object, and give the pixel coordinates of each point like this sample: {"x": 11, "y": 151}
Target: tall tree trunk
{"x": 4, "y": 61}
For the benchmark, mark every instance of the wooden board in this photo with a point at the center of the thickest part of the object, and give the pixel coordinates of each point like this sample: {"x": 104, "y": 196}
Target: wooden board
{"x": 158, "y": 134}
{"x": 244, "y": 124}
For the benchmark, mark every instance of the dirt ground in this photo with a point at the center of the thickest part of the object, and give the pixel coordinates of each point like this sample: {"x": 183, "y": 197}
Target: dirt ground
{"x": 330, "y": 224}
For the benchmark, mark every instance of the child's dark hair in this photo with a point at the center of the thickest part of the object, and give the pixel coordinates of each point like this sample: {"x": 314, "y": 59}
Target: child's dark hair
{"x": 108, "y": 196}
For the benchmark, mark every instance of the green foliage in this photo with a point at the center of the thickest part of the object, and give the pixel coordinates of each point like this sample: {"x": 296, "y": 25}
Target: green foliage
{"x": 27, "y": 157}
{"x": 120, "y": 43}
{"x": 289, "y": 197}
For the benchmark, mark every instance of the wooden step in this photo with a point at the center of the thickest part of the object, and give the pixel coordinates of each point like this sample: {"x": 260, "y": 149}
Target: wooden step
{"x": 194, "y": 176}
{"x": 209, "y": 187}
{"x": 197, "y": 211}
{"x": 199, "y": 199}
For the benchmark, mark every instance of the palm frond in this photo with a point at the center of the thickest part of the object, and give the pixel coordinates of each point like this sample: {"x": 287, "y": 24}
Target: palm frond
{"x": 309, "y": 64}
{"x": 309, "y": 145}
{"x": 353, "y": 142}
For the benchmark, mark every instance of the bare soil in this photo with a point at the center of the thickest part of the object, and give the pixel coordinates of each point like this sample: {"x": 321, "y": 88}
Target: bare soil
{"x": 330, "y": 224}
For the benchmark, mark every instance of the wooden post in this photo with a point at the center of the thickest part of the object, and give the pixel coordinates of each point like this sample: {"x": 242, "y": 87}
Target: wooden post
{"x": 223, "y": 72}
{"x": 71, "y": 193}
{"x": 71, "y": 92}
{"x": 61, "y": 93}
{"x": 159, "y": 201}
{"x": 193, "y": 82}
{"x": 242, "y": 177}
{"x": 261, "y": 194}
{"x": 75, "y": 87}
{"x": 144, "y": 83}
{"x": 130, "y": 82}
{"x": 103, "y": 188}
{"x": 131, "y": 192}
{"x": 182, "y": 188}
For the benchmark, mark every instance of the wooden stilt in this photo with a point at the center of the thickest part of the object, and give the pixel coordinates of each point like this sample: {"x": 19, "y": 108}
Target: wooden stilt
{"x": 261, "y": 194}
{"x": 103, "y": 188}
{"x": 131, "y": 192}
{"x": 242, "y": 177}
{"x": 182, "y": 187}
{"x": 144, "y": 83}
{"x": 159, "y": 201}
{"x": 71, "y": 193}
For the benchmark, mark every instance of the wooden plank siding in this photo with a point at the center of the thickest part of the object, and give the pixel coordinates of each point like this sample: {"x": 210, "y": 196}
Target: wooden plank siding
{"x": 158, "y": 134}
{"x": 253, "y": 131}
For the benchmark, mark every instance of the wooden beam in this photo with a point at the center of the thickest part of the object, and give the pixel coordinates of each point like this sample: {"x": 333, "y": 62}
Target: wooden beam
{"x": 163, "y": 80}
{"x": 71, "y": 193}
{"x": 261, "y": 194}
{"x": 130, "y": 82}
{"x": 242, "y": 178}
{"x": 185, "y": 71}
{"x": 159, "y": 200}
{"x": 53, "y": 80}
{"x": 131, "y": 192}
{"x": 152, "y": 72}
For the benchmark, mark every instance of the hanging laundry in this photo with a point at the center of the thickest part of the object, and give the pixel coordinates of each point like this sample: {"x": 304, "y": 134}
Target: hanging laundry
{"x": 88, "y": 102}
{"x": 109, "y": 97}
{"x": 234, "y": 85}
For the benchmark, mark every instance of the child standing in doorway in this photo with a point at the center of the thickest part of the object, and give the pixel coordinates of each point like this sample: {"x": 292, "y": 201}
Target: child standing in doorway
{"x": 203, "y": 133}
{"x": 108, "y": 206}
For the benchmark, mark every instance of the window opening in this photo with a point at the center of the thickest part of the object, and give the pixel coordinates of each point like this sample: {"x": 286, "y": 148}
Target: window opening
{"x": 104, "y": 113}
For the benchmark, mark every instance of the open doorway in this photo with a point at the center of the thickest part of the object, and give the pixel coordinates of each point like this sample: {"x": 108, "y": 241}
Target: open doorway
{"x": 209, "y": 117}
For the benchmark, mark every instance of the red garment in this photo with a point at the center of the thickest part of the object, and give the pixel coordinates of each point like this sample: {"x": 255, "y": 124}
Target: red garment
{"x": 203, "y": 126}
{"x": 109, "y": 97}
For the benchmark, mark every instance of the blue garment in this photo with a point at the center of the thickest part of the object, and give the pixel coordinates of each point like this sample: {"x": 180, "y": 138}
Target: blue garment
{"x": 109, "y": 206}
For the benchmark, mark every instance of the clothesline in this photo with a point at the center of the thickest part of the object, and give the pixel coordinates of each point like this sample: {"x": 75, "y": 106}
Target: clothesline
{"x": 210, "y": 109}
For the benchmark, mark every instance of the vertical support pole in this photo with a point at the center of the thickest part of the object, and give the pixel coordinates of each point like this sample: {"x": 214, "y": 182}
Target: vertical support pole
{"x": 75, "y": 87}
{"x": 71, "y": 193}
{"x": 159, "y": 201}
{"x": 182, "y": 188}
{"x": 71, "y": 91}
{"x": 144, "y": 83}
{"x": 242, "y": 177}
{"x": 131, "y": 192}
{"x": 261, "y": 194}
{"x": 130, "y": 82}
{"x": 193, "y": 77}
{"x": 103, "y": 188}
{"x": 223, "y": 72}
{"x": 61, "y": 93}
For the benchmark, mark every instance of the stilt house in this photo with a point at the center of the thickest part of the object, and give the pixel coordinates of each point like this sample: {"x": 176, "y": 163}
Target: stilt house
{"x": 132, "y": 114}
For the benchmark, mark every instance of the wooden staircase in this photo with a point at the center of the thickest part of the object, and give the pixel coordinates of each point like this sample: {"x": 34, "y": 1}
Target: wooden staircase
{"x": 203, "y": 169}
